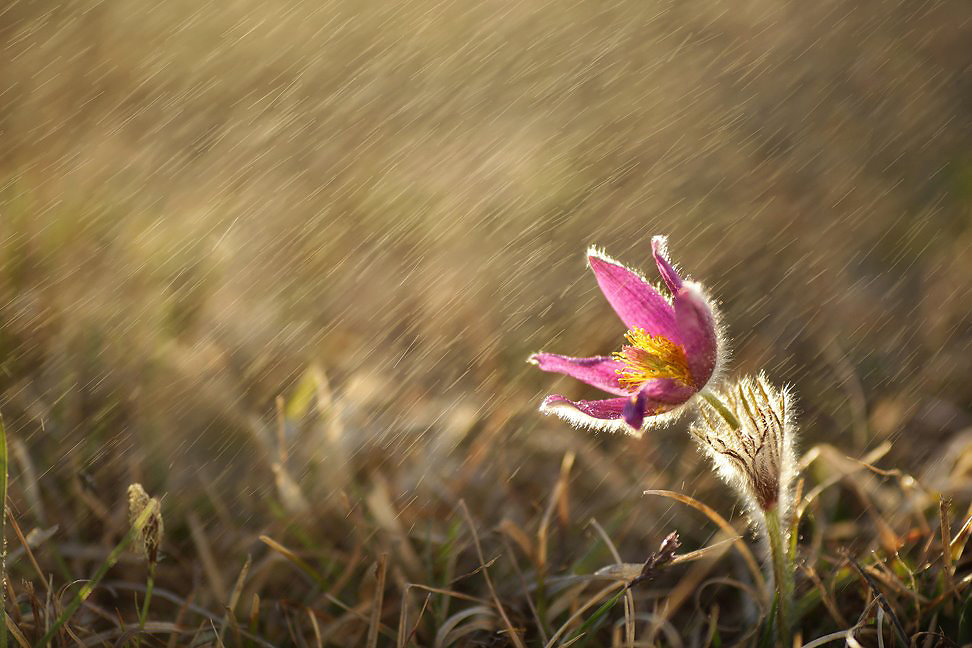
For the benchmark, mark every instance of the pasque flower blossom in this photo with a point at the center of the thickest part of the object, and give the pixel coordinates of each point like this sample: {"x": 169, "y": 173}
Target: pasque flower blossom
{"x": 748, "y": 431}
{"x": 672, "y": 349}
{"x": 673, "y": 352}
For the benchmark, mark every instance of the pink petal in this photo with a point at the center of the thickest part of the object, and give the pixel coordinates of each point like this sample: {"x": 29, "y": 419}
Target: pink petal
{"x": 599, "y": 371}
{"x": 635, "y": 300}
{"x": 659, "y": 245}
{"x": 596, "y": 414}
{"x": 697, "y": 330}
{"x": 665, "y": 391}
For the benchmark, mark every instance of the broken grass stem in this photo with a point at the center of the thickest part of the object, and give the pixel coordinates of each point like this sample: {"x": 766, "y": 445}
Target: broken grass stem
{"x": 721, "y": 408}
{"x": 782, "y": 574}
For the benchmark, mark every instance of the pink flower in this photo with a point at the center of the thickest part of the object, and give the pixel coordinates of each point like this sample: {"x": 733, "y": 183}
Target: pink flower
{"x": 672, "y": 349}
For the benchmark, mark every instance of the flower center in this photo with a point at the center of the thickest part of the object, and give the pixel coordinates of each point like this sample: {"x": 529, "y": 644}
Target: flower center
{"x": 647, "y": 357}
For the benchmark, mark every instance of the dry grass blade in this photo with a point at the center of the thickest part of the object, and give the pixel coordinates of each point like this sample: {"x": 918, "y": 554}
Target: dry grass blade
{"x": 557, "y": 497}
{"x": 405, "y": 635}
{"x": 519, "y": 536}
{"x": 579, "y": 613}
{"x": 886, "y": 535}
{"x": 727, "y": 528}
{"x": 957, "y": 545}
{"x": 713, "y": 626}
{"x": 514, "y": 635}
{"x": 418, "y": 619}
{"x": 299, "y": 562}
{"x": 18, "y": 616}
{"x": 443, "y": 635}
{"x": 629, "y": 627}
{"x": 15, "y": 632}
{"x": 888, "y": 578}
{"x": 847, "y": 465}
{"x": 725, "y": 581}
{"x": 851, "y": 382}
{"x": 821, "y": 449}
{"x": 254, "y": 613}
{"x": 186, "y": 605}
{"x": 850, "y": 633}
{"x": 234, "y": 598}
{"x": 376, "y": 606}
{"x": 943, "y": 510}
{"x": 567, "y": 599}
{"x": 694, "y": 579}
{"x": 350, "y": 565}
{"x": 655, "y": 624}
{"x": 825, "y": 596}
{"x": 403, "y": 616}
{"x": 842, "y": 635}
{"x": 25, "y": 544}
{"x": 316, "y": 628}
{"x": 448, "y": 592}
{"x": 210, "y": 566}
{"x": 881, "y": 600}
{"x": 929, "y": 634}
{"x": 526, "y": 589}
{"x": 28, "y": 479}
{"x": 556, "y": 501}
{"x": 379, "y": 502}
{"x": 879, "y": 625}
{"x": 631, "y": 571}
{"x": 123, "y": 635}
{"x": 180, "y": 615}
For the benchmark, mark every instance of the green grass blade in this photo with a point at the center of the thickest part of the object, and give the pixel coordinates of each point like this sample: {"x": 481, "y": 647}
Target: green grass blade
{"x": 594, "y": 621}
{"x": 89, "y": 587}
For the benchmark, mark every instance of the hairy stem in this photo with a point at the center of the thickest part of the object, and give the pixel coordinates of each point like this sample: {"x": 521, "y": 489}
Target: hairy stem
{"x": 782, "y": 575}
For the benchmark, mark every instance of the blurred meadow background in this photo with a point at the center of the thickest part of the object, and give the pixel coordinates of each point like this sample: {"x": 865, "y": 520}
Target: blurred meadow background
{"x": 282, "y": 263}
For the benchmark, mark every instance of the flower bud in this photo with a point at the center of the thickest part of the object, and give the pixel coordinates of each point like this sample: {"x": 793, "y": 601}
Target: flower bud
{"x": 755, "y": 453}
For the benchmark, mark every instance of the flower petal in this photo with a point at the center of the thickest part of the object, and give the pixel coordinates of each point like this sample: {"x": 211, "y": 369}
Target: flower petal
{"x": 655, "y": 397}
{"x": 594, "y": 414}
{"x": 659, "y": 250}
{"x": 598, "y": 371}
{"x": 665, "y": 391}
{"x": 698, "y": 332}
{"x": 635, "y": 300}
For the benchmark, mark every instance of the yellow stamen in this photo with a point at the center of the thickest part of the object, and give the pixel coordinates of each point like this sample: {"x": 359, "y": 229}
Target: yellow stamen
{"x": 647, "y": 357}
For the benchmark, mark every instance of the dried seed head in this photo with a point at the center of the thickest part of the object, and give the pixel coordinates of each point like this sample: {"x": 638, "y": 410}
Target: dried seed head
{"x": 758, "y": 458}
{"x": 145, "y": 518}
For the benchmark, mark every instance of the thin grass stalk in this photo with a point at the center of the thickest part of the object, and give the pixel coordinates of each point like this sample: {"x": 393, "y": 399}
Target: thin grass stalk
{"x": 143, "y": 612}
